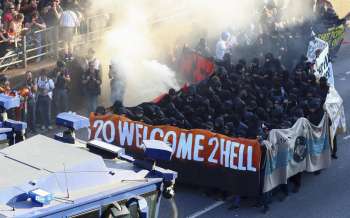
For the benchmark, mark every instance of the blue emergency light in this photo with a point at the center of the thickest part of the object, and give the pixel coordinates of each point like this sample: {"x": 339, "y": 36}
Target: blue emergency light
{"x": 4, "y": 132}
{"x": 72, "y": 121}
{"x": 18, "y": 130}
{"x": 8, "y": 102}
{"x": 40, "y": 197}
{"x": 17, "y": 126}
{"x": 157, "y": 150}
{"x": 3, "y": 137}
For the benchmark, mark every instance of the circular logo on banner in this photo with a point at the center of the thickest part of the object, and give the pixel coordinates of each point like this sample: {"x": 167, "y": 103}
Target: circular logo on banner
{"x": 300, "y": 149}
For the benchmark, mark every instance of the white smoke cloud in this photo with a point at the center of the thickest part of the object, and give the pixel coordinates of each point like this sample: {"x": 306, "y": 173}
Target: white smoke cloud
{"x": 130, "y": 45}
{"x": 153, "y": 80}
{"x": 146, "y": 30}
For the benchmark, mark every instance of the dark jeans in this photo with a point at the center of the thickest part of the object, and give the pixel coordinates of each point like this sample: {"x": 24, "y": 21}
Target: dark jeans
{"x": 265, "y": 198}
{"x": 296, "y": 180}
{"x": 29, "y": 116}
{"x": 285, "y": 189}
{"x": 335, "y": 146}
{"x": 60, "y": 100}
{"x": 91, "y": 103}
{"x": 44, "y": 109}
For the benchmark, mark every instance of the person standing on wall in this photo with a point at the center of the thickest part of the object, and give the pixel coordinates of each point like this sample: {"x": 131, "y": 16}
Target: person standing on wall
{"x": 45, "y": 88}
{"x": 68, "y": 23}
{"x": 51, "y": 13}
{"x": 36, "y": 23}
{"x": 9, "y": 15}
{"x": 91, "y": 82}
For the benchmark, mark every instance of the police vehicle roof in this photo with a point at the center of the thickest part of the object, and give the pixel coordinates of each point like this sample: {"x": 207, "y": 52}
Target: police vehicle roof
{"x": 61, "y": 169}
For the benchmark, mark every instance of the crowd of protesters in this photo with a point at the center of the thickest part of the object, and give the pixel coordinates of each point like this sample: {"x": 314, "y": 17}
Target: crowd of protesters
{"x": 240, "y": 100}
{"x": 245, "y": 100}
{"x": 269, "y": 88}
{"x": 258, "y": 85}
{"x": 271, "y": 85}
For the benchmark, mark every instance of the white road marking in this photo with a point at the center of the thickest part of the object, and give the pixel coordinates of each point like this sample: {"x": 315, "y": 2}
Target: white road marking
{"x": 343, "y": 78}
{"x": 347, "y": 73}
{"x": 207, "y": 209}
{"x": 347, "y": 137}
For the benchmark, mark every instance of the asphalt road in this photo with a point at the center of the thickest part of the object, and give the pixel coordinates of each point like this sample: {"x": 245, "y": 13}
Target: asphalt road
{"x": 324, "y": 196}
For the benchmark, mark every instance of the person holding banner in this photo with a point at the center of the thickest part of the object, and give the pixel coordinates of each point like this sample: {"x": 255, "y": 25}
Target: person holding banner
{"x": 335, "y": 148}
{"x": 324, "y": 90}
{"x": 264, "y": 197}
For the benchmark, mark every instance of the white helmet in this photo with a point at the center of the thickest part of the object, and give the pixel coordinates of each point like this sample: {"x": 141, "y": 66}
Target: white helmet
{"x": 225, "y": 36}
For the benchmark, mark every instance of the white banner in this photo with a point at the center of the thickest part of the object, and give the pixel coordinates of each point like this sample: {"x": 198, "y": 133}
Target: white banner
{"x": 322, "y": 67}
{"x": 304, "y": 147}
{"x": 335, "y": 110}
{"x": 314, "y": 45}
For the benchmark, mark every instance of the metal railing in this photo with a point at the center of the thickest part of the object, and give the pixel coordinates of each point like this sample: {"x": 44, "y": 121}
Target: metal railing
{"x": 43, "y": 43}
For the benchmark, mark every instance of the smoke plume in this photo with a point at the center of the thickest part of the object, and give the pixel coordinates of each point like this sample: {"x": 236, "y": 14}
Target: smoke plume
{"x": 146, "y": 31}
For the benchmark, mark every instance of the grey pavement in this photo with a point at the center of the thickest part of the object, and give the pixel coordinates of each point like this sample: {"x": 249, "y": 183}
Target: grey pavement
{"x": 324, "y": 196}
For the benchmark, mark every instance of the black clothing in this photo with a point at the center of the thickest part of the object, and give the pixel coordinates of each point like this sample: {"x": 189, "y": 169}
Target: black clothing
{"x": 93, "y": 85}
{"x": 59, "y": 78}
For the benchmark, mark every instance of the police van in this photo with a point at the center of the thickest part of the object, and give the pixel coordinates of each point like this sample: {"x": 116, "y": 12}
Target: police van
{"x": 45, "y": 177}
